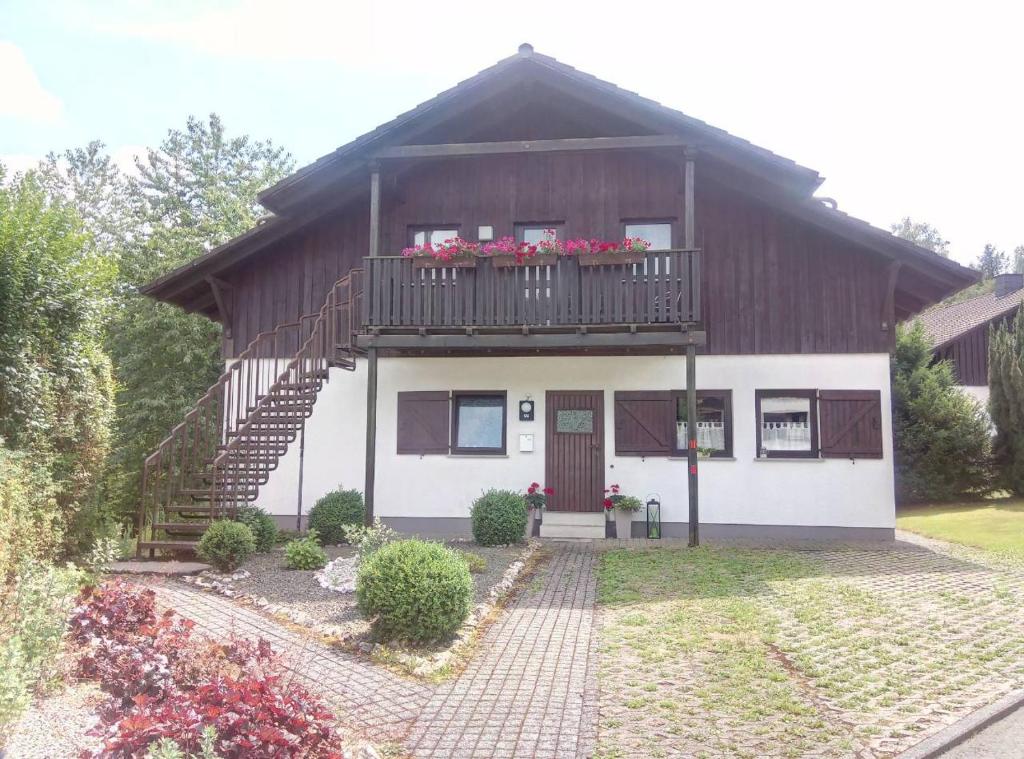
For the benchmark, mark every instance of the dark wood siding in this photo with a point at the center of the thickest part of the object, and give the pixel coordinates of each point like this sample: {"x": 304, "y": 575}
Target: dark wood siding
{"x": 423, "y": 422}
{"x": 851, "y": 423}
{"x": 969, "y": 356}
{"x": 770, "y": 284}
{"x": 645, "y": 423}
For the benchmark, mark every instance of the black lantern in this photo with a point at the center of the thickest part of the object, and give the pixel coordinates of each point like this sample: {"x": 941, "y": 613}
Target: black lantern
{"x": 653, "y": 518}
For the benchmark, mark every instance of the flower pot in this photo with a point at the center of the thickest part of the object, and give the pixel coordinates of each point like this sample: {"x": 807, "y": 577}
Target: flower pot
{"x": 533, "y": 523}
{"x": 508, "y": 261}
{"x": 455, "y": 262}
{"x": 610, "y": 258}
{"x": 623, "y": 524}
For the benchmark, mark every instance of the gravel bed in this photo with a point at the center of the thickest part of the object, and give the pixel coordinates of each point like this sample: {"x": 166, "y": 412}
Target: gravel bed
{"x": 299, "y": 590}
{"x": 56, "y": 725}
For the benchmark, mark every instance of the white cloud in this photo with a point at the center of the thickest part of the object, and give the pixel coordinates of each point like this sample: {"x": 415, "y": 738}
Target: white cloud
{"x": 21, "y": 94}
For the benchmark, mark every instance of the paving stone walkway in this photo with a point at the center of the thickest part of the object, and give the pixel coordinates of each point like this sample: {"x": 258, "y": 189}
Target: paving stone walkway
{"x": 530, "y": 690}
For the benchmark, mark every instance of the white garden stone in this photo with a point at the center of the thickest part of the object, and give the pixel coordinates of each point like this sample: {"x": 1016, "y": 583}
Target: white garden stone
{"x": 339, "y": 575}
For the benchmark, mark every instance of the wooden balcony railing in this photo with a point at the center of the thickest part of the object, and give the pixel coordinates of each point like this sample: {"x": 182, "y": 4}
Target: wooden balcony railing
{"x": 664, "y": 289}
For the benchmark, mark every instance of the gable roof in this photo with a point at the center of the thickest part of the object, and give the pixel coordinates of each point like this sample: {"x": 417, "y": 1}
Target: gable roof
{"x": 944, "y": 324}
{"x": 307, "y": 194}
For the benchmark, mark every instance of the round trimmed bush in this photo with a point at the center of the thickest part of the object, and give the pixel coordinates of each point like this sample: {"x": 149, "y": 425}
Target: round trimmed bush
{"x": 334, "y": 512}
{"x": 499, "y": 518}
{"x": 226, "y": 544}
{"x": 263, "y": 526}
{"x": 414, "y": 590}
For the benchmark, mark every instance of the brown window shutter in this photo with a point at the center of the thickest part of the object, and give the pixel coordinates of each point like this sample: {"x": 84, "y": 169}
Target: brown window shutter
{"x": 423, "y": 422}
{"x": 644, "y": 423}
{"x": 851, "y": 424}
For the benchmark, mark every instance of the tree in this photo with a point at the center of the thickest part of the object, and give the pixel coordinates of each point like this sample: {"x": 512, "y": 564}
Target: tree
{"x": 942, "y": 436}
{"x": 56, "y": 390}
{"x": 923, "y": 234}
{"x": 1006, "y": 400}
{"x": 991, "y": 262}
{"x": 197, "y": 190}
{"x": 1018, "y": 259}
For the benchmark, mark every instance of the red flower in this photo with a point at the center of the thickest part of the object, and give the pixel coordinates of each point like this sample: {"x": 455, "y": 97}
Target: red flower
{"x": 549, "y": 491}
{"x": 608, "y": 504}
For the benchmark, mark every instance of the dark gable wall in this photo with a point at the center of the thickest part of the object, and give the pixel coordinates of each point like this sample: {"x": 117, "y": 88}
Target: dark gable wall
{"x": 770, "y": 284}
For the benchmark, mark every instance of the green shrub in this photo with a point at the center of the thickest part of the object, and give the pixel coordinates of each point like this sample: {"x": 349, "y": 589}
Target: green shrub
{"x": 305, "y": 553}
{"x": 942, "y": 437}
{"x": 369, "y": 540}
{"x": 414, "y": 590}
{"x": 226, "y": 544}
{"x": 334, "y": 512}
{"x": 263, "y": 526}
{"x": 30, "y": 527}
{"x": 33, "y": 615}
{"x": 476, "y": 563}
{"x": 499, "y": 517}
{"x": 1006, "y": 402}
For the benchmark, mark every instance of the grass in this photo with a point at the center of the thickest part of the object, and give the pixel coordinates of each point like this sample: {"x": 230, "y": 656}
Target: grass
{"x": 761, "y": 652}
{"x": 996, "y": 527}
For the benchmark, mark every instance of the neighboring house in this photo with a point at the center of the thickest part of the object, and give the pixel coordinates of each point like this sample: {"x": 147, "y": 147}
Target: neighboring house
{"x": 959, "y": 332}
{"x": 350, "y": 364}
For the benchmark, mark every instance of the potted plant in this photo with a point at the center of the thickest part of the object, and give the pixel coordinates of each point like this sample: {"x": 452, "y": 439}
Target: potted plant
{"x": 537, "y": 499}
{"x": 625, "y": 507}
{"x": 455, "y": 253}
{"x": 632, "y": 250}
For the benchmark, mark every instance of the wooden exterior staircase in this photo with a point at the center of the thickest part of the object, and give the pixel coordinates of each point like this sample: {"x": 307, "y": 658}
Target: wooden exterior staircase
{"x": 217, "y": 458}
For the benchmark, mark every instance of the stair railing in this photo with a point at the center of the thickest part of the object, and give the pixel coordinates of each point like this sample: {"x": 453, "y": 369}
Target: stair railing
{"x": 194, "y": 453}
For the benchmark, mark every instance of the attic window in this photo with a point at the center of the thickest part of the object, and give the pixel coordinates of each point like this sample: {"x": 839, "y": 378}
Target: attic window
{"x": 657, "y": 233}
{"x": 535, "y": 233}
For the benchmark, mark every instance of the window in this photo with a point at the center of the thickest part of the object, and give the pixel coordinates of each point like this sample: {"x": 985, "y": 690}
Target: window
{"x": 423, "y": 422}
{"x": 435, "y": 236}
{"x": 787, "y": 423}
{"x": 653, "y": 422}
{"x": 657, "y": 233}
{"x": 714, "y": 422}
{"x": 536, "y": 232}
{"x": 478, "y": 422}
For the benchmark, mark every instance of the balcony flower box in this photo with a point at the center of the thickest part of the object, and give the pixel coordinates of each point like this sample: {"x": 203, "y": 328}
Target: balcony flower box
{"x": 510, "y": 260}
{"x": 611, "y": 258}
{"x": 460, "y": 261}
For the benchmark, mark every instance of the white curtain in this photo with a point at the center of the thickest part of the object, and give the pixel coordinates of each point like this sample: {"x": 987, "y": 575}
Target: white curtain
{"x": 786, "y": 436}
{"x": 709, "y": 435}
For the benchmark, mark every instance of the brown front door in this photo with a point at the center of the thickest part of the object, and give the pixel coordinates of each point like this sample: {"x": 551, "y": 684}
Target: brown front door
{"x": 574, "y": 449}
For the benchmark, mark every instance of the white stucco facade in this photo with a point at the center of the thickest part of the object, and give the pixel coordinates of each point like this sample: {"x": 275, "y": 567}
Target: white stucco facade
{"x": 743, "y": 490}
{"x": 978, "y": 392}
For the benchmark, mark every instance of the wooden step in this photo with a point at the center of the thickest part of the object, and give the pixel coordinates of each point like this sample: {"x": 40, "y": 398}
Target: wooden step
{"x": 204, "y": 495}
{"x": 182, "y": 528}
{"x": 168, "y": 545}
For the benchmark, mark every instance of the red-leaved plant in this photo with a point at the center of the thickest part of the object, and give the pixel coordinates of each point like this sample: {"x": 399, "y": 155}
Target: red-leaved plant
{"x": 112, "y": 610}
{"x": 253, "y": 717}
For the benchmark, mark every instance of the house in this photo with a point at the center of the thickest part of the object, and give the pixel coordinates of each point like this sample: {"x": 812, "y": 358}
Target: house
{"x": 759, "y": 311}
{"x": 959, "y": 332}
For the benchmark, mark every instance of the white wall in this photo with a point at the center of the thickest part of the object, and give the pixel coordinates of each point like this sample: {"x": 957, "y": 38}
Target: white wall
{"x": 980, "y": 392}
{"x": 745, "y": 490}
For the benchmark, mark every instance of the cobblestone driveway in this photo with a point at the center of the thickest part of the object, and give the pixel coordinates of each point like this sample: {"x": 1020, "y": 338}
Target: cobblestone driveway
{"x": 530, "y": 690}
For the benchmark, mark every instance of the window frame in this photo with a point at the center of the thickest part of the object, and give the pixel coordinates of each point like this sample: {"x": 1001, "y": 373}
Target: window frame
{"x": 671, "y": 231}
{"x": 415, "y": 229}
{"x": 456, "y": 396}
{"x": 726, "y": 396}
{"x": 812, "y": 419}
{"x": 519, "y": 227}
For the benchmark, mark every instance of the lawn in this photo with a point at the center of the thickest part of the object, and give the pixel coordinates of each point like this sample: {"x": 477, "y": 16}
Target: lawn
{"x": 760, "y": 652}
{"x": 993, "y": 526}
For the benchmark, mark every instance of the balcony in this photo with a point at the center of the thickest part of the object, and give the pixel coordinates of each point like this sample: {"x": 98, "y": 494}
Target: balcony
{"x": 659, "y": 294}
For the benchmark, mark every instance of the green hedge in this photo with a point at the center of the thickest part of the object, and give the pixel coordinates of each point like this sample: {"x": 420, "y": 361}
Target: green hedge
{"x": 414, "y": 590}
{"x": 263, "y": 526}
{"x": 334, "y": 512}
{"x": 499, "y": 518}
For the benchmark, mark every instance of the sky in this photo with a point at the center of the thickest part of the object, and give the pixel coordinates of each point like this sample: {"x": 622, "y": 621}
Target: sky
{"x": 906, "y": 108}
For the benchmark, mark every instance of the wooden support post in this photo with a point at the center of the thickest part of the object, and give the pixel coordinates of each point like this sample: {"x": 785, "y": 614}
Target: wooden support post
{"x": 691, "y": 444}
{"x": 371, "y": 432}
{"x": 374, "y": 209}
{"x": 689, "y": 233}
